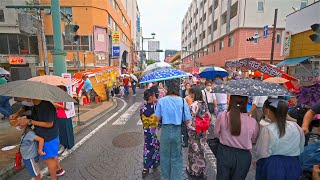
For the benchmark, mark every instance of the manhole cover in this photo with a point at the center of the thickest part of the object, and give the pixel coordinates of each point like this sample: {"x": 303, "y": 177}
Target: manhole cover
{"x": 128, "y": 140}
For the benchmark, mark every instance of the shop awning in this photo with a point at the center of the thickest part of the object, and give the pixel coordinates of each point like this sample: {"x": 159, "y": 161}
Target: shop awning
{"x": 293, "y": 61}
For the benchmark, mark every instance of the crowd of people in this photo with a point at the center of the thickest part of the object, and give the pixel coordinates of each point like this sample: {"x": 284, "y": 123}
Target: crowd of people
{"x": 264, "y": 136}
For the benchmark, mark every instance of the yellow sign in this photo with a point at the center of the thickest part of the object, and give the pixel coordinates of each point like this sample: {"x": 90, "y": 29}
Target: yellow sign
{"x": 115, "y": 37}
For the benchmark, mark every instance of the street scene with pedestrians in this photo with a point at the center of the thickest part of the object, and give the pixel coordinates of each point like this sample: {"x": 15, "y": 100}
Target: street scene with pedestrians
{"x": 232, "y": 93}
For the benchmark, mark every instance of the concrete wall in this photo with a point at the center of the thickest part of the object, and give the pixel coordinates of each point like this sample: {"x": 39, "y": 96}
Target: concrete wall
{"x": 11, "y": 17}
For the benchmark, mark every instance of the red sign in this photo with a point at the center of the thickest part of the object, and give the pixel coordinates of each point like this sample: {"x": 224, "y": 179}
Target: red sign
{"x": 17, "y": 60}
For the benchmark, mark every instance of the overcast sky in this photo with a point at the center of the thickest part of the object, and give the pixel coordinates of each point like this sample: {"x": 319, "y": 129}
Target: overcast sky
{"x": 164, "y": 18}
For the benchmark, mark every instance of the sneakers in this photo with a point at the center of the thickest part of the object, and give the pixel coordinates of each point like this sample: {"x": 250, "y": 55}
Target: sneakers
{"x": 59, "y": 173}
{"x": 134, "y": 95}
{"x": 65, "y": 152}
{"x": 61, "y": 150}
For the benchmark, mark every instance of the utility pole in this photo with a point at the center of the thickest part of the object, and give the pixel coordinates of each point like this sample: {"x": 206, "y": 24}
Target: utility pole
{"x": 44, "y": 44}
{"x": 274, "y": 34}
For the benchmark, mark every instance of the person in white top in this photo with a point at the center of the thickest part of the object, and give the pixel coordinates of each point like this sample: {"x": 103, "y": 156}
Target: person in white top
{"x": 210, "y": 98}
{"x": 279, "y": 144}
{"x": 256, "y": 109}
{"x": 222, "y": 99}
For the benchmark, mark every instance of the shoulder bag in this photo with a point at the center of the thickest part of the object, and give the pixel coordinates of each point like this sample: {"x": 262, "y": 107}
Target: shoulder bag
{"x": 210, "y": 105}
{"x": 184, "y": 130}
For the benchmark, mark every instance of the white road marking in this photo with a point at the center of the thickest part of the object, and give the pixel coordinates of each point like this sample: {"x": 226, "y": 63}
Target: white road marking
{"x": 123, "y": 119}
{"x": 139, "y": 122}
{"x": 84, "y": 139}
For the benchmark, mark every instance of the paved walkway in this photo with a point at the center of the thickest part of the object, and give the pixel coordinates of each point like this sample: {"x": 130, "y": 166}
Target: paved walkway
{"x": 10, "y": 136}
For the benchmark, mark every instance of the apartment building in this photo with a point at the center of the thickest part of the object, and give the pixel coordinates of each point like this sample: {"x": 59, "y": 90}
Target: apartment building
{"x": 97, "y": 20}
{"x": 154, "y": 46}
{"x": 215, "y": 31}
{"x": 132, "y": 9}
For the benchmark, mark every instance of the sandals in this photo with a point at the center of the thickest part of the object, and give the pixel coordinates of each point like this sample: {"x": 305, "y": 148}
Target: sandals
{"x": 145, "y": 172}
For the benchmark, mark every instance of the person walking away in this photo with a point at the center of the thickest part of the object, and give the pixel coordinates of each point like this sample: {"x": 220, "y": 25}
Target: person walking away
{"x": 31, "y": 146}
{"x": 122, "y": 90}
{"x": 134, "y": 87}
{"x": 237, "y": 131}
{"x": 126, "y": 81}
{"x": 210, "y": 98}
{"x": 257, "y": 105}
{"x": 87, "y": 88}
{"x": 155, "y": 89}
{"x": 151, "y": 154}
{"x": 173, "y": 111}
{"x": 66, "y": 135}
{"x": 222, "y": 99}
{"x": 162, "y": 91}
{"x": 279, "y": 144}
{"x": 190, "y": 98}
{"x": 5, "y": 107}
{"x": 44, "y": 119}
{"x": 197, "y": 133}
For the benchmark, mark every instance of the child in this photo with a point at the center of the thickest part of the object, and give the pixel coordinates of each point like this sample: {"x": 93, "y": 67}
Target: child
{"x": 29, "y": 148}
{"x": 122, "y": 90}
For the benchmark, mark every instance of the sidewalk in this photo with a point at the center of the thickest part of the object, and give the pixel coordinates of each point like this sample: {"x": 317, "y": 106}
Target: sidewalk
{"x": 10, "y": 136}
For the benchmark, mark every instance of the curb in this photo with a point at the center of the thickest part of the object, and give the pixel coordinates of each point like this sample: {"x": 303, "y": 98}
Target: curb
{"x": 9, "y": 170}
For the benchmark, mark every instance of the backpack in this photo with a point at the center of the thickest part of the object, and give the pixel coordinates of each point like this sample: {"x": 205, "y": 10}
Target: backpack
{"x": 202, "y": 122}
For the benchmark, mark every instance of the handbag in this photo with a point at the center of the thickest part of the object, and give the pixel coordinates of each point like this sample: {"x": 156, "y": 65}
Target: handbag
{"x": 210, "y": 105}
{"x": 202, "y": 122}
{"x": 18, "y": 158}
{"x": 184, "y": 130}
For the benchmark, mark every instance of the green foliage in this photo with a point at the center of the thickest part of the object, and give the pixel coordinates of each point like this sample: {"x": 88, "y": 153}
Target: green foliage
{"x": 150, "y": 61}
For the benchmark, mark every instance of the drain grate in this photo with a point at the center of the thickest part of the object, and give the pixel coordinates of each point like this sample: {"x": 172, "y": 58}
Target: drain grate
{"x": 128, "y": 140}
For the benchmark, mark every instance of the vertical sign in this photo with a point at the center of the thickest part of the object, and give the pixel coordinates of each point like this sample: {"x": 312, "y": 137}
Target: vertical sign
{"x": 265, "y": 31}
{"x": 138, "y": 24}
{"x": 70, "y": 112}
{"x": 115, "y": 51}
{"x": 115, "y": 37}
{"x": 286, "y": 43}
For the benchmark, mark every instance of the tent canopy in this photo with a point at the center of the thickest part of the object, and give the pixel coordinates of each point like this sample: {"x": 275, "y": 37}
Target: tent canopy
{"x": 293, "y": 61}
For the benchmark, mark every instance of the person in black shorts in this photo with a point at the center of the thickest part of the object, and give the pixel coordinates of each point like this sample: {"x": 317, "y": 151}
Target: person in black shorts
{"x": 44, "y": 117}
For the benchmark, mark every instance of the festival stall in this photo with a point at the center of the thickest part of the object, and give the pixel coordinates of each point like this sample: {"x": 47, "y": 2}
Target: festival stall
{"x": 99, "y": 78}
{"x": 260, "y": 68}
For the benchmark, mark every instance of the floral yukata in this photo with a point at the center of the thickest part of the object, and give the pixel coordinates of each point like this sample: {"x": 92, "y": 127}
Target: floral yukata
{"x": 196, "y": 164}
{"x": 151, "y": 153}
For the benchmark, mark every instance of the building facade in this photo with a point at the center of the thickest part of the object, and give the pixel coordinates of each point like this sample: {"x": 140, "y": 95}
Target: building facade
{"x": 154, "y": 46}
{"x": 303, "y": 60}
{"x": 18, "y": 39}
{"x": 215, "y": 31}
{"x": 97, "y": 20}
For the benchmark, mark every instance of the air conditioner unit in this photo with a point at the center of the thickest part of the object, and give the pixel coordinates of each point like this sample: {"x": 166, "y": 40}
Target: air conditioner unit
{"x": 47, "y": 11}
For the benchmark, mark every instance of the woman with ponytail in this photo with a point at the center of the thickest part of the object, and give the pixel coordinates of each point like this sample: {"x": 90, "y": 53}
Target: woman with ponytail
{"x": 237, "y": 131}
{"x": 279, "y": 144}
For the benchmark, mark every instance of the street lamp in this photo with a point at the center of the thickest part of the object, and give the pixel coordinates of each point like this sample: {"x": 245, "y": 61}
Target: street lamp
{"x": 142, "y": 54}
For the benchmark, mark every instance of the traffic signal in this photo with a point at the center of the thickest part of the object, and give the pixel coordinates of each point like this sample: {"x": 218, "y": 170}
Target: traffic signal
{"x": 315, "y": 37}
{"x": 253, "y": 38}
{"x": 250, "y": 39}
{"x": 76, "y": 36}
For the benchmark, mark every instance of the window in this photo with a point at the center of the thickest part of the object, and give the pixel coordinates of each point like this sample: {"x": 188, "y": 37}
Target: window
{"x": 221, "y": 45}
{"x": 66, "y": 10}
{"x": 23, "y": 44}
{"x": 216, "y": 4}
{"x": 304, "y": 3}
{"x": 255, "y": 41}
{"x": 116, "y": 27}
{"x": 204, "y": 34}
{"x": 260, "y": 5}
{"x": 215, "y": 25}
{"x": 224, "y": 18}
{"x": 214, "y": 48}
{"x": 114, "y": 5}
{"x": 1, "y": 15}
{"x": 4, "y": 49}
{"x": 50, "y": 42}
{"x": 13, "y": 44}
{"x": 204, "y": 17}
{"x": 196, "y": 26}
{"x": 200, "y": 21}
{"x": 110, "y": 20}
{"x": 205, "y": 1}
{"x": 278, "y": 38}
{"x": 234, "y": 10}
{"x": 84, "y": 43}
{"x": 210, "y": 10}
{"x": 209, "y": 30}
{"x": 230, "y": 40}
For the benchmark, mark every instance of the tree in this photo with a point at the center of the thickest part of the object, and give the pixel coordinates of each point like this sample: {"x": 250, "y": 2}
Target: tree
{"x": 150, "y": 61}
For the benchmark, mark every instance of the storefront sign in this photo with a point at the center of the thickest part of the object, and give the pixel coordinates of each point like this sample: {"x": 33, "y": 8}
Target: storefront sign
{"x": 287, "y": 43}
{"x": 17, "y": 60}
{"x": 115, "y": 37}
{"x": 115, "y": 51}
{"x": 70, "y": 112}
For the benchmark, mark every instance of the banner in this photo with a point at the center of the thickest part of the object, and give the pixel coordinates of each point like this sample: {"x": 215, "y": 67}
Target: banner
{"x": 115, "y": 37}
{"x": 70, "y": 112}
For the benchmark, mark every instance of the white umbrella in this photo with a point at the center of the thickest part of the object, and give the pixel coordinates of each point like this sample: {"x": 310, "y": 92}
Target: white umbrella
{"x": 154, "y": 67}
{"x": 134, "y": 77}
{"x": 3, "y": 71}
{"x": 125, "y": 75}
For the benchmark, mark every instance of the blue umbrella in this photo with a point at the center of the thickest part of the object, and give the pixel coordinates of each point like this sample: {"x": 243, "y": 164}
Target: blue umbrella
{"x": 213, "y": 72}
{"x": 162, "y": 75}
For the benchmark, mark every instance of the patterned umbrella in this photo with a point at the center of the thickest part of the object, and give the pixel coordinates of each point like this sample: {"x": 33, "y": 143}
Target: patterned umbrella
{"x": 276, "y": 80}
{"x": 250, "y": 87}
{"x": 213, "y": 72}
{"x": 3, "y": 71}
{"x": 163, "y": 74}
